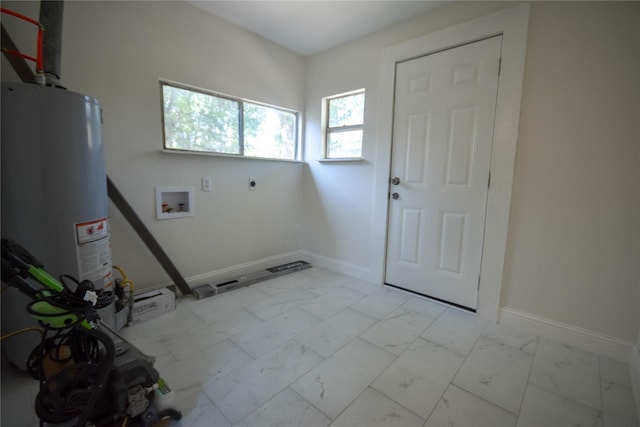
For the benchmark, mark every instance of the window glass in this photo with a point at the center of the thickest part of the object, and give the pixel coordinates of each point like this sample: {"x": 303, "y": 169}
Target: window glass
{"x": 346, "y": 111}
{"x": 269, "y": 132}
{"x": 196, "y": 120}
{"x": 345, "y": 144}
{"x": 200, "y": 122}
{"x": 344, "y": 125}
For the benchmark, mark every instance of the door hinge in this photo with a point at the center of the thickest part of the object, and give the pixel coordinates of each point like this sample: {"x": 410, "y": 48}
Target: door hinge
{"x": 478, "y": 282}
{"x": 489, "y": 181}
{"x": 499, "y": 65}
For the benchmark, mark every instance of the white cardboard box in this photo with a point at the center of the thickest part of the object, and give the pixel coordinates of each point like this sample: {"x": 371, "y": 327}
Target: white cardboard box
{"x": 152, "y": 304}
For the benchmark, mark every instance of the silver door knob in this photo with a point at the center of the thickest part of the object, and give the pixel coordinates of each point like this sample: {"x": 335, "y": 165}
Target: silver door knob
{"x": 395, "y": 196}
{"x": 395, "y": 180}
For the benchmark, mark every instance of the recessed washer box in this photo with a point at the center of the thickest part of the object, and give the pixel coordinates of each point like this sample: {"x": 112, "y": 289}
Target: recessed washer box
{"x": 174, "y": 202}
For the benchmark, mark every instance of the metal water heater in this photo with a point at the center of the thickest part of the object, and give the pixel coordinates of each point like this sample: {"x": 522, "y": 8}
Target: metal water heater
{"x": 54, "y": 195}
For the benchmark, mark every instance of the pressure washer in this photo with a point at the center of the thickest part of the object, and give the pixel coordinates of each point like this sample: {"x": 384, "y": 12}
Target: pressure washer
{"x": 88, "y": 373}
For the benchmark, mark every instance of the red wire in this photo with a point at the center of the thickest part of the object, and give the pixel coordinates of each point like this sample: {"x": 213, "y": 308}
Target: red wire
{"x": 39, "y": 62}
{"x": 38, "y": 59}
{"x": 17, "y": 15}
{"x": 21, "y": 55}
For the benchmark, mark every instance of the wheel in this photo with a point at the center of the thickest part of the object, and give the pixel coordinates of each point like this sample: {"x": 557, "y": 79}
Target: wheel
{"x": 66, "y": 394}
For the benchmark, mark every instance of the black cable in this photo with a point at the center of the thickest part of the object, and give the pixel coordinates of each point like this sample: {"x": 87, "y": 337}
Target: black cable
{"x": 41, "y": 376}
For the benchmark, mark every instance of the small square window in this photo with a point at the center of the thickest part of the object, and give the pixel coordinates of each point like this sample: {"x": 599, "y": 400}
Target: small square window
{"x": 343, "y": 119}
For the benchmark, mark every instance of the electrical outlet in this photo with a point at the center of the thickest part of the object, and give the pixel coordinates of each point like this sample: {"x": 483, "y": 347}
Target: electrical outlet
{"x": 206, "y": 183}
{"x": 252, "y": 184}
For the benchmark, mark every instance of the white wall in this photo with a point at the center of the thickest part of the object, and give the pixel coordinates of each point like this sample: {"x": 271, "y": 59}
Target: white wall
{"x": 574, "y": 242}
{"x": 574, "y": 239}
{"x": 338, "y": 219}
{"x": 116, "y": 52}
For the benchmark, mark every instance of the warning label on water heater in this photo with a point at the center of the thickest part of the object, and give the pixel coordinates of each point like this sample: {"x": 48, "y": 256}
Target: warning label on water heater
{"x": 91, "y": 231}
{"x": 93, "y": 251}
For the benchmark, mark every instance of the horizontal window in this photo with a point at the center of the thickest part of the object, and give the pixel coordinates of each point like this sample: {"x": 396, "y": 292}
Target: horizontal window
{"x": 202, "y": 121}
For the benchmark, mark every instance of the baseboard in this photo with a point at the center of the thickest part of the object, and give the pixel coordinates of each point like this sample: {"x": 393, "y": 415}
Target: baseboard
{"x": 634, "y": 368}
{"x": 338, "y": 266}
{"x": 223, "y": 274}
{"x": 585, "y": 339}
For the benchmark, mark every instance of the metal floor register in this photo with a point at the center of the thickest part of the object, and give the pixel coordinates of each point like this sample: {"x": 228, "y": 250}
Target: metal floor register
{"x": 209, "y": 289}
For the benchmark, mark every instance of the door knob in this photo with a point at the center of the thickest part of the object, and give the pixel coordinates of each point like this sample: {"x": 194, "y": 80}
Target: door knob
{"x": 395, "y": 196}
{"x": 395, "y": 180}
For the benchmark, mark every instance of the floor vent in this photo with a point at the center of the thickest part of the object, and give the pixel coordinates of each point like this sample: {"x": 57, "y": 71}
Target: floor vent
{"x": 210, "y": 289}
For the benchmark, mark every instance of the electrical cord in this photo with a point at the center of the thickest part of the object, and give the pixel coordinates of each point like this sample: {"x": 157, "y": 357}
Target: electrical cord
{"x": 21, "y": 331}
{"x": 70, "y": 310}
{"x": 65, "y": 339}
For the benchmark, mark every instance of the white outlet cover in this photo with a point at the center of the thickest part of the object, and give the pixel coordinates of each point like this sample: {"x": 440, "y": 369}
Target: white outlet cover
{"x": 206, "y": 183}
{"x": 252, "y": 184}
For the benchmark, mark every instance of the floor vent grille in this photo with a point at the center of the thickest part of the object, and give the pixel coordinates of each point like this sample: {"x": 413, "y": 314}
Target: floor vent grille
{"x": 210, "y": 289}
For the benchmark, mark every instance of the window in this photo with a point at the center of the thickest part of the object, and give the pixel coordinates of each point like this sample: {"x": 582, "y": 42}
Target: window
{"x": 201, "y": 121}
{"x": 343, "y": 118}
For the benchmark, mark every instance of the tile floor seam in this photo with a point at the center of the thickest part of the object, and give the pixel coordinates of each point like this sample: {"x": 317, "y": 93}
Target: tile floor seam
{"x": 220, "y": 359}
{"x": 526, "y": 388}
{"x": 383, "y": 393}
{"x": 454, "y": 375}
{"x": 218, "y": 409}
{"x": 346, "y": 343}
{"x": 511, "y": 348}
{"x": 370, "y": 386}
{"x": 604, "y": 424}
{"x": 380, "y": 348}
{"x": 451, "y": 384}
{"x": 301, "y": 397}
{"x": 263, "y": 405}
{"x": 571, "y": 398}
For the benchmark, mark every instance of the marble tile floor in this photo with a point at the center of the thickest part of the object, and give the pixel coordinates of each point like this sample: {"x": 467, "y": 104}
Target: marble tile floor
{"x": 317, "y": 348}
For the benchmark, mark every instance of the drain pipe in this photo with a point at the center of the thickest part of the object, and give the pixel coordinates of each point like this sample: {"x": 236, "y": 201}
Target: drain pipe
{"x": 51, "y": 14}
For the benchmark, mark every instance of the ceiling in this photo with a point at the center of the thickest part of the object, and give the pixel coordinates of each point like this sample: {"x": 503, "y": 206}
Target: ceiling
{"x": 307, "y": 26}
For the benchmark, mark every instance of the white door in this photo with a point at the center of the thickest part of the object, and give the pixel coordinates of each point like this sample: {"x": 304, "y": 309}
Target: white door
{"x": 442, "y": 136}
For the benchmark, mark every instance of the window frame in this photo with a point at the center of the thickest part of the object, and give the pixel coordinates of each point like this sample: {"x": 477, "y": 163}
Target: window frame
{"x": 241, "y": 131}
{"x": 327, "y": 130}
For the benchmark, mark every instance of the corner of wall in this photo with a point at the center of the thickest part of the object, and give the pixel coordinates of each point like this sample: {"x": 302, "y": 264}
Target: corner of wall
{"x": 339, "y": 266}
{"x": 596, "y": 342}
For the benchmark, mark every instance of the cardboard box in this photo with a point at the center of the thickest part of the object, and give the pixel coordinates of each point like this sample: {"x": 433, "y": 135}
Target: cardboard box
{"x": 153, "y": 304}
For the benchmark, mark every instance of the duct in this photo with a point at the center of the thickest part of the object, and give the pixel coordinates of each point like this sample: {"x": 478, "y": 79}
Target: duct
{"x": 51, "y": 14}
{"x": 209, "y": 289}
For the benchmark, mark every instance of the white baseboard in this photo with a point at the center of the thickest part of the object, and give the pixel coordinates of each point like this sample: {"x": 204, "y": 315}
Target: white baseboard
{"x": 634, "y": 368}
{"x": 338, "y": 266}
{"x": 601, "y": 344}
{"x": 234, "y": 271}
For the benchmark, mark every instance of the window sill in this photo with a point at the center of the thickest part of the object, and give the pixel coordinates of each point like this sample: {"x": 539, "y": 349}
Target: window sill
{"x": 227, "y": 156}
{"x": 346, "y": 160}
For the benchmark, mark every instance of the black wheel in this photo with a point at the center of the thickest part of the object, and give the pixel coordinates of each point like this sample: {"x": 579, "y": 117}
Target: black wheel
{"x": 66, "y": 394}
{"x": 170, "y": 413}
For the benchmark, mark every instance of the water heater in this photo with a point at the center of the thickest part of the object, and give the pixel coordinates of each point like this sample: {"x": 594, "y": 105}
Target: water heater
{"x": 54, "y": 194}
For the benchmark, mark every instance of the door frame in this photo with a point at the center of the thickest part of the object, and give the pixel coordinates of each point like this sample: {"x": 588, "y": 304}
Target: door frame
{"x": 512, "y": 24}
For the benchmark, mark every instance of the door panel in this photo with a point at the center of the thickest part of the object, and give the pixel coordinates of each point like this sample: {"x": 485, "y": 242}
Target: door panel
{"x": 460, "y": 146}
{"x": 443, "y": 130}
{"x": 411, "y": 223}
